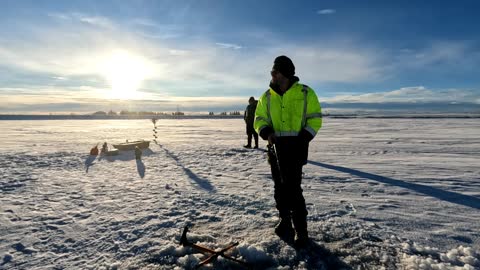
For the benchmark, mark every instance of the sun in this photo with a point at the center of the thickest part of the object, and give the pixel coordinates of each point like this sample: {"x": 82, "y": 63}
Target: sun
{"x": 125, "y": 73}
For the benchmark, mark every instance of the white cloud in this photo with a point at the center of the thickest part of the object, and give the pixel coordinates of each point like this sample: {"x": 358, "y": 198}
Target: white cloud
{"x": 229, "y": 46}
{"x": 415, "y": 94}
{"x": 86, "y": 99}
{"x": 145, "y": 22}
{"x": 178, "y": 52}
{"x": 84, "y": 18}
{"x": 59, "y": 16}
{"x": 439, "y": 54}
{"x": 193, "y": 67}
{"x": 326, "y": 11}
{"x": 153, "y": 30}
{"x": 323, "y": 63}
{"x": 95, "y": 20}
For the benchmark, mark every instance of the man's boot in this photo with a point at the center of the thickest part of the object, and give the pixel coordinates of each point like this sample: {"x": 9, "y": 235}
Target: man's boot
{"x": 301, "y": 239}
{"x": 249, "y": 141}
{"x": 284, "y": 228}
{"x": 300, "y": 222}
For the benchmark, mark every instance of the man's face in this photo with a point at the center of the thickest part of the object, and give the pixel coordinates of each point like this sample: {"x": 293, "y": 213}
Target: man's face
{"x": 275, "y": 76}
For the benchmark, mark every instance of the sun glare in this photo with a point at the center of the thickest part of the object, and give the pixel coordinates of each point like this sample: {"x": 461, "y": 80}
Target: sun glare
{"x": 125, "y": 73}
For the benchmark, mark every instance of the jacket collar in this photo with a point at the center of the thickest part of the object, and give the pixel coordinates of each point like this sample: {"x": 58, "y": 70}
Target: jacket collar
{"x": 293, "y": 82}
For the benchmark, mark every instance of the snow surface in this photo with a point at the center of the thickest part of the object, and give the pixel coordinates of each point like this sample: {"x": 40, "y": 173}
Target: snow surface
{"x": 381, "y": 194}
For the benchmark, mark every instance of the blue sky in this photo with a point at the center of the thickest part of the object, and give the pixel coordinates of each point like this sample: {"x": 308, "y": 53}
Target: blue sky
{"x": 83, "y": 56}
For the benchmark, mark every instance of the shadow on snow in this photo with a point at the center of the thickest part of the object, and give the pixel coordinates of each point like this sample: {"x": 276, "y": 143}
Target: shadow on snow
{"x": 89, "y": 162}
{"x": 448, "y": 196}
{"x": 122, "y": 156}
{"x": 201, "y": 182}
{"x": 140, "y": 168}
{"x": 125, "y": 155}
{"x": 318, "y": 257}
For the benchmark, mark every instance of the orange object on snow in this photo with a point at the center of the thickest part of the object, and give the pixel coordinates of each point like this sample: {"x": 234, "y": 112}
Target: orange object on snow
{"x": 94, "y": 151}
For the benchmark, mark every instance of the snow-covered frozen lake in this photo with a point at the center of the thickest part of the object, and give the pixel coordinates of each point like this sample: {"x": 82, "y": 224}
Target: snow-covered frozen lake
{"x": 381, "y": 193}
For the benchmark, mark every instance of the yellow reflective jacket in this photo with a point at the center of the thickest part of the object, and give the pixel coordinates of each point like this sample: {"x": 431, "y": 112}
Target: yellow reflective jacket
{"x": 298, "y": 108}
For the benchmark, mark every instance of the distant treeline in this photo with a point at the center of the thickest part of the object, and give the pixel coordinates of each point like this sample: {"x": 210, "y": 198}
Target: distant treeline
{"x": 153, "y": 114}
{"x": 134, "y": 113}
{"x": 112, "y": 117}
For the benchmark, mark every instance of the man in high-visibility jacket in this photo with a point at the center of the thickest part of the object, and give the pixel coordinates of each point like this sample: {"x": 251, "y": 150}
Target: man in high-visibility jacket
{"x": 288, "y": 115}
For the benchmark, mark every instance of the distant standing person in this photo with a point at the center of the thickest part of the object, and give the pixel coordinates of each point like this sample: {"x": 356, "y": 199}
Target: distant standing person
{"x": 104, "y": 148}
{"x": 138, "y": 153}
{"x": 288, "y": 115}
{"x": 249, "y": 117}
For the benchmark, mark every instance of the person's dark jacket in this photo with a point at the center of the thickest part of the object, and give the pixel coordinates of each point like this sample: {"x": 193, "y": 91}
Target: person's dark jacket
{"x": 249, "y": 115}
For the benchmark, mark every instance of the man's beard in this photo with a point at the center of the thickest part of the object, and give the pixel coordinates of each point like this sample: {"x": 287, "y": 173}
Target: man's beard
{"x": 274, "y": 86}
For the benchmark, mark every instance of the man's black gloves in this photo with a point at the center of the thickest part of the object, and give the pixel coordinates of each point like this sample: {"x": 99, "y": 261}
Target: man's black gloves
{"x": 268, "y": 134}
{"x": 265, "y": 132}
{"x": 305, "y": 135}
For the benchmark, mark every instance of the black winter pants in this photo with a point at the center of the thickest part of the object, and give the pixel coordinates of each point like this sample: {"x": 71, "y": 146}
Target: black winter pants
{"x": 287, "y": 190}
{"x": 251, "y": 132}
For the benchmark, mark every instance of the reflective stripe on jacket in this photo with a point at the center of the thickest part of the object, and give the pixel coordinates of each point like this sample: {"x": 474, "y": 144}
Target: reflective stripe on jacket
{"x": 297, "y": 109}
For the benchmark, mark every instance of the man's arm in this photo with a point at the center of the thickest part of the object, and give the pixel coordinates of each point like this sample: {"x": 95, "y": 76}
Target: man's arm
{"x": 262, "y": 123}
{"x": 314, "y": 117}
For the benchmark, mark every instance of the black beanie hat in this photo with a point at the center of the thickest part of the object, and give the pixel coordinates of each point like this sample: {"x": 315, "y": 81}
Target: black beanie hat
{"x": 284, "y": 65}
